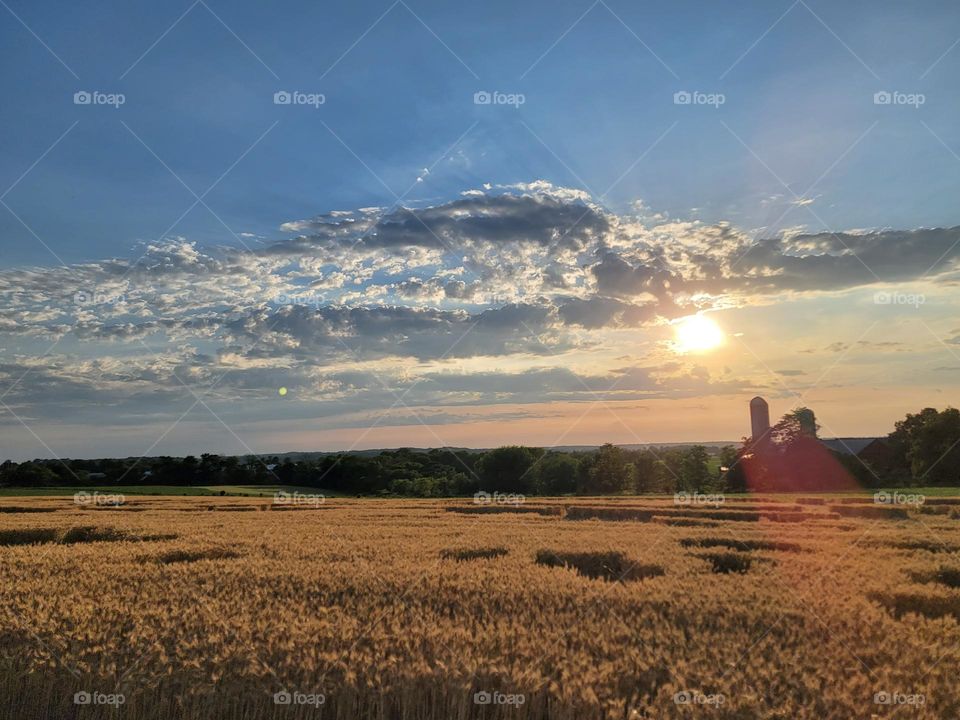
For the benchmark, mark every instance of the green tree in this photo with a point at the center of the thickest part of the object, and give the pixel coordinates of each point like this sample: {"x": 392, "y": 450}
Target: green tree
{"x": 505, "y": 469}
{"x": 733, "y": 478}
{"x": 556, "y": 474}
{"x": 30, "y": 474}
{"x": 695, "y": 469}
{"x": 668, "y": 470}
{"x": 934, "y": 448}
{"x": 612, "y": 472}
{"x": 645, "y": 475}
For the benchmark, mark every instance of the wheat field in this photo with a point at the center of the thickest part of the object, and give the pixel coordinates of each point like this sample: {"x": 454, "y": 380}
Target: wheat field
{"x": 774, "y": 607}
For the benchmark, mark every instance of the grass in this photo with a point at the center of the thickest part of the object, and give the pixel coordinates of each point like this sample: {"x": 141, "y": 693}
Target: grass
{"x": 108, "y": 489}
{"x": 269, "y": 490}
{"x": 182, "y": 490}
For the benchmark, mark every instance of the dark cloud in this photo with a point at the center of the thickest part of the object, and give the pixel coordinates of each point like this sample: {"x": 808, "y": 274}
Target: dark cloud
{"x": 496, "y": 219}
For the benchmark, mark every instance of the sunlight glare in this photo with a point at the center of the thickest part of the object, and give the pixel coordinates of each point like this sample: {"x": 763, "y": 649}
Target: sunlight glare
{"x": 697, "y": 333}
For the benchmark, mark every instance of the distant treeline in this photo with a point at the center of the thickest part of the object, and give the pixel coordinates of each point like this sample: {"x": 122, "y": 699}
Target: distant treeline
{"x": 432, "y": 473}
{"x": 924, "y": 449}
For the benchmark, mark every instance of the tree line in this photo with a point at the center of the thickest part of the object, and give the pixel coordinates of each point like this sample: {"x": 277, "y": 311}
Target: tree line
{"x": 432, "y": 473}
{"x": 924, "y": 448}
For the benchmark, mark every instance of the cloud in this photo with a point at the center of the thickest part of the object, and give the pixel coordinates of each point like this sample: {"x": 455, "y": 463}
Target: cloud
{"x": 514, "y": 274}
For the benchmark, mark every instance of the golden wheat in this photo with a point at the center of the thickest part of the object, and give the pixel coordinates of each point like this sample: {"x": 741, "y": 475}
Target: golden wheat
{"x": 192, "y": 608}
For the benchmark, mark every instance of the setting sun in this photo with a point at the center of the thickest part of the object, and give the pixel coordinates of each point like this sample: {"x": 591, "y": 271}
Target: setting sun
{"x": 697, "y": 333}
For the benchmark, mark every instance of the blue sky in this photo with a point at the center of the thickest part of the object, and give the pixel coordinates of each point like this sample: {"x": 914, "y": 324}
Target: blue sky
{"x": 798, "y": 95}
{"x": 592, "y": 210}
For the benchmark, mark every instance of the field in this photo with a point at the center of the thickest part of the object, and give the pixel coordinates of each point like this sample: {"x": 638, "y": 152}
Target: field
{"x": 188, "y": 490}
{"x": 570, "y": 609}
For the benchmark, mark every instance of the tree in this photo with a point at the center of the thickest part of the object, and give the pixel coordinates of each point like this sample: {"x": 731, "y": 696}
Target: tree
{"x": 505, "y": 469}
{"x": 796, "y": 424}
{"x": 556, "y": 474}
{"x": 611, "y": 472}
{"x": 29, "y": 474}
{"x": 733, "y": 478}
{"x": 694, "y": 468}
{"x": 668, "y": 470}
{"x": 645, "y": 475}
{"x": 933, "y": 449}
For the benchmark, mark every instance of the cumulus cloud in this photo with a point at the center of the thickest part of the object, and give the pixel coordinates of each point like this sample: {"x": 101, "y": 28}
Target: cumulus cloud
{"x": 521, "y": 271}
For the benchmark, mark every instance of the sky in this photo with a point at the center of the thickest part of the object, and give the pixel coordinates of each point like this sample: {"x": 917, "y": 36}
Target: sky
{"x": 261, "y": 227}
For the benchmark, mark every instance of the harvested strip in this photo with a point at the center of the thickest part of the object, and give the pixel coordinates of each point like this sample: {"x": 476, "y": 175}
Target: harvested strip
{"x": 580, "y": 512}
{"x": 735, "y": 544}
{"x": 876, "y": 512}
{"x": 27, "y": 536}
{"x": 474, "y": 553}
{"x": 23, "y": 509}
{"x": 728, "y": 562}
{"x": 929, "y": 545}
{"x": 947, "y": 576}
{"x": 72, "y": 536}
{"x": 185, "y": 556}
{"x": 495, "y": 509}
{"x": 610, "y": 566}
{"x": 928, "y": 605}
{"x": 684, "y": 522}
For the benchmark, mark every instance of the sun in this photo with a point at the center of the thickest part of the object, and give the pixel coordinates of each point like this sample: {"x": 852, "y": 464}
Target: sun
{"x": 697, "y": 333}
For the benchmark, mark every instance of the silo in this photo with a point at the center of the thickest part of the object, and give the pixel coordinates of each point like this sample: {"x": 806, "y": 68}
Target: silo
{"x": 759, "y": 419}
